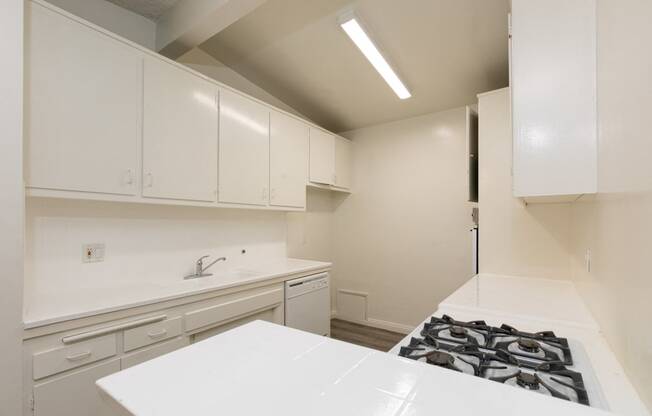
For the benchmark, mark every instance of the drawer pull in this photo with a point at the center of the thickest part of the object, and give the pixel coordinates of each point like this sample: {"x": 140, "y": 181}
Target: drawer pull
{"x": 159, "y": 334}
{"x": 79, "y": 357}
{"x": 107, "y": 330}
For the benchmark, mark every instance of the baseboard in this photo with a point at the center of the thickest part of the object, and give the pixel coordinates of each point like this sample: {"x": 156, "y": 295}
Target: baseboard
{"x": 377, "y": 323}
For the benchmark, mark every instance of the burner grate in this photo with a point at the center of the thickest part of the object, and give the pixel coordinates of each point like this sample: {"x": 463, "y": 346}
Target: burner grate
{"x": 531, "y": 361}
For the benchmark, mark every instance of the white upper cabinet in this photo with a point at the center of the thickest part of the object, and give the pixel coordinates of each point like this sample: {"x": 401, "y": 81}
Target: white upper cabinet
{"x": 342, "y": 163}
{"x": 322, "y": 157}
{"x": 83, "y": 101}
{"x": 553, "y": 50}
{"x": 244, "y": 150}
{"x": 108, "y": 120}
{"x": 288, "y": 161}
{"x": 179, "y": 134}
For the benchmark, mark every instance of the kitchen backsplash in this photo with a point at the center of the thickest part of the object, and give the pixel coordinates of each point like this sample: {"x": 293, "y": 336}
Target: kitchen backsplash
{"x": 143, "y": 243}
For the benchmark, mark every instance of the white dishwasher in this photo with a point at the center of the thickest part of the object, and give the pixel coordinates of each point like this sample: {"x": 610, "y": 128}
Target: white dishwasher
{"x": 308, "y": 304}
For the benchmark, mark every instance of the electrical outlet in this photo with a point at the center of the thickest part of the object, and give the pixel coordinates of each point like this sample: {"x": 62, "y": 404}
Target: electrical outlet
{"x": 92, "y": 253}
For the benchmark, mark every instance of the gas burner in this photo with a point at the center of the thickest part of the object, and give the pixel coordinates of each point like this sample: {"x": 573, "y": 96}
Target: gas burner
{"x": 527, "y": 380}
{"x": 458, "y": 332}
{"x": 528, "y": 345}
{"x": 449, "y": 330}
{"x": 441, "y": 359}
{"x": 532, "y": 361}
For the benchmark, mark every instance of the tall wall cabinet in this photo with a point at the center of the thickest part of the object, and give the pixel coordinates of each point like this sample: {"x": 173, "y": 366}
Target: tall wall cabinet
{"x": 109, "y": 120}
{"x": 179, "y": 134}
{"x": 83, "y": 106}
{"x": 554, "y": 98}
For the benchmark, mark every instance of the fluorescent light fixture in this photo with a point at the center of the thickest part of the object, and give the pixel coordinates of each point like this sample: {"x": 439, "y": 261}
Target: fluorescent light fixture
{"x": 364, "y": 43}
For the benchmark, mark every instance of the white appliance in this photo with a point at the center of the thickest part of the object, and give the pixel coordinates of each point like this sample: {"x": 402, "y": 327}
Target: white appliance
{"x": 308, "y": 304}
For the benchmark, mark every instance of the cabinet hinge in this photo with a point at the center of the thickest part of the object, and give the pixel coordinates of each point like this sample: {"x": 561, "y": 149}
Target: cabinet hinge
{"x": 32, "y": 404}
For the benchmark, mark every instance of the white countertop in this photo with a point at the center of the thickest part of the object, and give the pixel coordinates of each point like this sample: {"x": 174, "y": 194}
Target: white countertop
{"x": 266, "y": 369}
{"x": 535, "y": 299}
{"x": 46, "y": 308}
{"x": 531, "y": 304}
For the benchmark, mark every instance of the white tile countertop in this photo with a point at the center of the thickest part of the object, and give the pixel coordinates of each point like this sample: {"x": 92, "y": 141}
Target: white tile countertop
{"x": 532, "y": 304}
{"x": 297, "y": 373}
{"x": 44, "y": 308}
{"x": 546, "y": 300}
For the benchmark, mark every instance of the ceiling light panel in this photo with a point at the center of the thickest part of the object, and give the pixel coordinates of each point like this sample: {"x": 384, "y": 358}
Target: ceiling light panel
{"x": 354, "y": 30}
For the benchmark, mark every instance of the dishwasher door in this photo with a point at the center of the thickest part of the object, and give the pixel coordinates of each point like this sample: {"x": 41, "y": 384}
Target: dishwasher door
{"x": 308, "y": 304}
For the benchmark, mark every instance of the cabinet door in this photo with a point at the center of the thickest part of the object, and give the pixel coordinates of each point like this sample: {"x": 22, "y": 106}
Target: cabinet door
{"x": 288, "y": 161}
{"x": 322, "y": 157}
{"x": 274, "y": 314}
{"x": 83, "y": 100}
{"x": 342, "y": 163}
{"x": 179, "y": 134}
{"x": 244, "y": 150}
{"x": 74, "y": 394}
{"x": 554, "y": 98}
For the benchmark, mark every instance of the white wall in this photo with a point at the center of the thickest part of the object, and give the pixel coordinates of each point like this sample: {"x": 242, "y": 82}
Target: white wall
{"x": 144, "y": 243}
{"x": 515, "y": 239}
{"x": 11, "y": 205}
{"x": 403, "y": 236}
{"x": 202, "y": 62}
{"x": 113, "y": 18}
{"x": 616, "y": 224}
{"x": 310, "y": 234}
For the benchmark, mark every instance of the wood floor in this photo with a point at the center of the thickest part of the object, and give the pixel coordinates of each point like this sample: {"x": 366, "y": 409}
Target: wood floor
{"x": 369, "y": 337}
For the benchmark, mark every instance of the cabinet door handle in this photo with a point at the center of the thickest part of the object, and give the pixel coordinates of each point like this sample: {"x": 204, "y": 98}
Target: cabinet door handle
{"x": 130, "y": 177}
{"x": 159, "y": 334}
{"x": 78, "y": 357}
{"x": 150, "y": 179}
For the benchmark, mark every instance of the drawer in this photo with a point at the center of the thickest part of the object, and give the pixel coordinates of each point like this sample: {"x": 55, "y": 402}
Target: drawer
{"x": 61, "y": 359}
{"x": 153, "y": 352}
{"x": 149, "y": 334}
{"x": 227, "y": 310}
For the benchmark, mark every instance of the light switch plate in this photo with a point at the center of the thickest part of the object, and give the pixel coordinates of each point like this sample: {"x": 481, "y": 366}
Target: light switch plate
{"x": 93, "y": 253}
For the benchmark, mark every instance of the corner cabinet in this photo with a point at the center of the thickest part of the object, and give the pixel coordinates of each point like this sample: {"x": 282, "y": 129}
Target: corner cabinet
{"x": 82, "y": 107}
{"x": 554, "y": 99}
{"x": 108, "y": 120}
{"x": 244, "y": 150}
{"x": 289, "y": 143}
{"x": 343, "y": 159}
{"x": 322, "y": 157}
{"x": 179, "y": 134}
{"x": 330, "y": 160}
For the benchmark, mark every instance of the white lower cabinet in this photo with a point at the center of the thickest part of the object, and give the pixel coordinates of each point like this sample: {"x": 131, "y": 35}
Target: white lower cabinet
{"x": 60, "y": 376}
{"x": 74, "y": 394}
{"x": 147, "y": 354}
{"x": 244, "y": 150}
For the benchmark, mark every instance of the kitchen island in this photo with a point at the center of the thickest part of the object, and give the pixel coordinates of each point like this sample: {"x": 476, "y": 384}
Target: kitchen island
{"x": 262, "y": 368}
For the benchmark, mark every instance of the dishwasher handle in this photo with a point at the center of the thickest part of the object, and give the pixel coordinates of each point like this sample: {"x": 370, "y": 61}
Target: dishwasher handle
{"x": 303, "y": 285}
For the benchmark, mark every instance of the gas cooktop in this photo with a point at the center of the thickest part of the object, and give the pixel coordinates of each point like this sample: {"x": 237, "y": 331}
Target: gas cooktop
{"x": 537, "y": 362}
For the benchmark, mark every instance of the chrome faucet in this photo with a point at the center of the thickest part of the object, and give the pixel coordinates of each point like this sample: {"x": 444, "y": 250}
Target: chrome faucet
{"x": 200, "y": 270}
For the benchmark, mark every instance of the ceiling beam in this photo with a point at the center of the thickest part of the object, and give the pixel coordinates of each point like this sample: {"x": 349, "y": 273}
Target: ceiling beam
{"x": 191, "y": 22}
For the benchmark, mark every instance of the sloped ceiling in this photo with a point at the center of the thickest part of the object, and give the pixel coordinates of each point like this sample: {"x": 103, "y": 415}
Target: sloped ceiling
{"x": 446, "y": 51}
{"x": 151, "y": 9}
